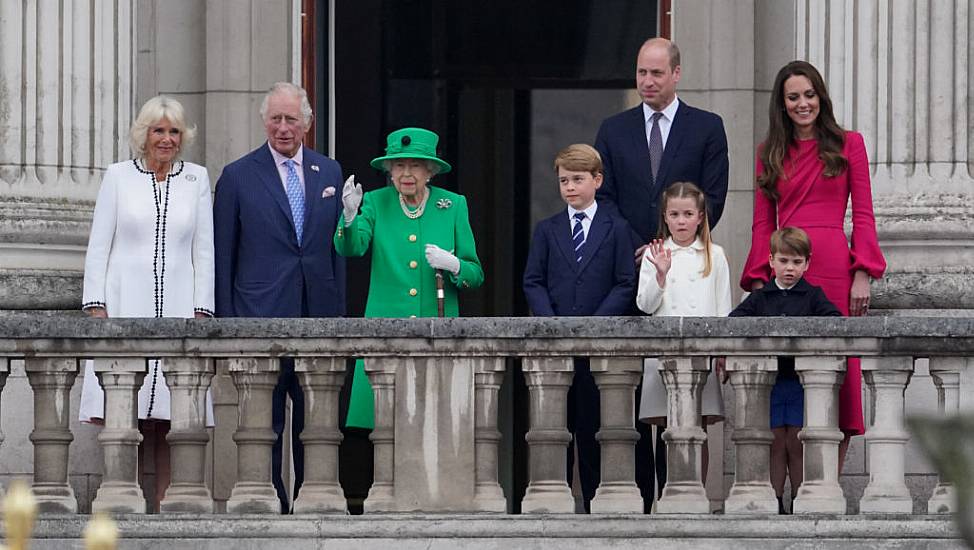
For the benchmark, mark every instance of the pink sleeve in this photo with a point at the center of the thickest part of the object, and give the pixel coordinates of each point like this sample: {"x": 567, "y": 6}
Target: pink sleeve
{"x": 866, "y": 255}
{"x": 765, "y": 221}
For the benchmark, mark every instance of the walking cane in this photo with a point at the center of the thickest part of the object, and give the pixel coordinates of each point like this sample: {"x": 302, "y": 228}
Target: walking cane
{"x": 439, "y": 293}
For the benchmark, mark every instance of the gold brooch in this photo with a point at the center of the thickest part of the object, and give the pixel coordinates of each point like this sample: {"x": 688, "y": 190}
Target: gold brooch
{"x": 443, "y": 204}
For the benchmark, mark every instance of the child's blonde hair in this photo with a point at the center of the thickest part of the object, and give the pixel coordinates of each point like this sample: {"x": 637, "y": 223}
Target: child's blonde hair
{"x": 579, "y": 157}
{"x": 791, "y": 240}
{"x": 687, "y": 190}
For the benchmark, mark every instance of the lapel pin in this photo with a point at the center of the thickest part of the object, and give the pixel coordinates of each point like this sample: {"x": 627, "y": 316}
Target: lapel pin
{"x": 314, "y": 167}
{"x": 190, "y": 177}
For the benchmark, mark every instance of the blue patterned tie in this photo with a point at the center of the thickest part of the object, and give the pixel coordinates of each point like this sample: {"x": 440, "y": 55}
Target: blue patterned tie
{"x": 655, "y": 145}
{"x": 578, "y": 236}
{"x": 295, "y": 196}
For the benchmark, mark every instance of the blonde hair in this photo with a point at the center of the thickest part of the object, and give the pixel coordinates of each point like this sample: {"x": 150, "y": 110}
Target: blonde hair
{"x": 579, "y": 157}
{"x": 155, "y": 110}
{"x": 687, "y": 190}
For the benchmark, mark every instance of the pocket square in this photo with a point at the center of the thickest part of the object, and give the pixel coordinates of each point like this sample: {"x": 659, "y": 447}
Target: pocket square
{"x": 328, "y": 192}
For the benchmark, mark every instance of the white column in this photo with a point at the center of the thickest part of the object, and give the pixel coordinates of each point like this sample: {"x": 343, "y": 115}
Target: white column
{"x": 254, "y": 492}
{"x": 488, "y": 375}
{"x": 120, "y": 491}
{"x": 51, "y": 380}
{"x": 321, "y": 379}
{"x": 548, "y": 381}
{"x": 188, "y": 379}
{"x": 886, "y": 493}
{"x": 752, "y": 379}
{"x": 820, "y": 491}
{"x": 684, "y": 378}
{"x": 382, "y": 376}
{"x": 945, "y": 372}
{"x": 617, "y": 378}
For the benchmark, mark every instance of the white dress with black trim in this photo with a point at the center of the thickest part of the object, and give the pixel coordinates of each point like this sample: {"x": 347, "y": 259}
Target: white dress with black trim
{"x": 150, "y": 254}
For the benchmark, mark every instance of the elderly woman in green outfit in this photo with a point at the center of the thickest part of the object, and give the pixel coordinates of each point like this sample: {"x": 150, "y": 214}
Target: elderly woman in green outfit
{"x": 415, "y": 230}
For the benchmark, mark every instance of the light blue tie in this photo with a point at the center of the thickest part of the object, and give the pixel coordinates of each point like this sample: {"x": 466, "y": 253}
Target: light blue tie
{"x": 295, "y": 196}
{"x": 578, "y": 236}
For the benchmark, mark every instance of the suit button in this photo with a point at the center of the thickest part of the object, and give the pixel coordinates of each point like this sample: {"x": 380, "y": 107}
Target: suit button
{"x": 413, "y": 264}
{"x": 413, "y": 292}
{"x": 412, "y": 238}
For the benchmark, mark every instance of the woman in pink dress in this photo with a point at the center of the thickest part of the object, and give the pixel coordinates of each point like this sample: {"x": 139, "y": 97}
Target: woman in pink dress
{"x": 807, "y": 168}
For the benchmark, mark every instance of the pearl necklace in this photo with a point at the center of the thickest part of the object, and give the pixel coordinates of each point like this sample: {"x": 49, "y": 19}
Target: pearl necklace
{"x": 413, "y": 214}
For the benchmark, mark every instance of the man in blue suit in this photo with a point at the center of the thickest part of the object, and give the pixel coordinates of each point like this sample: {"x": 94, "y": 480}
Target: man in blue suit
{"x": 274, "y": 216}
{"x": 644, "y": 150}
{"x": 580, "y": 264}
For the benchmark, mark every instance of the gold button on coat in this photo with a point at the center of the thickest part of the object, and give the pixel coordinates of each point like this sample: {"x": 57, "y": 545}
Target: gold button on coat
{"x": 412, "y": 238}
{"x": 413, "y": 264}
{"x": 413, "y": 292}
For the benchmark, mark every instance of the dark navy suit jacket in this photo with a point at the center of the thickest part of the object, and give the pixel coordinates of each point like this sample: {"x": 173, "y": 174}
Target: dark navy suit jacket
{"x": 602, "y": 284}
{"x": 696, "y": 151}
{"x": 261, "y": 269}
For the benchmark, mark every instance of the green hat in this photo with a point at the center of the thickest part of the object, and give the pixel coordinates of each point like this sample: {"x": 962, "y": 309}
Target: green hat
{"x": 412, "y": 143}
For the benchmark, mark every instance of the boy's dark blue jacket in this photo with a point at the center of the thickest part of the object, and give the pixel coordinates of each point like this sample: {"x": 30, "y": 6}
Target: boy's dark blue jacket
{"x": 602, "y": 284}
{"x": 801, "y": 300}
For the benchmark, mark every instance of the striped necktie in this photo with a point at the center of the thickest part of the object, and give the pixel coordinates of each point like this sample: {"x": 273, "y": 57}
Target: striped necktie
{"x": 295, "y": 196}
{"x": 578, "y": 236}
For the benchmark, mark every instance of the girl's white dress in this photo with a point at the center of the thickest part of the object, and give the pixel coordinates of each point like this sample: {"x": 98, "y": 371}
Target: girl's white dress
{"x": 687, "y": 294}
{"x": 150, "y": 254}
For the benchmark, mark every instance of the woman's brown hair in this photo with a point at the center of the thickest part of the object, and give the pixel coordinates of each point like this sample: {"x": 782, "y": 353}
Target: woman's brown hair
{"x": 687, "y": 190}
{"x": 781, "y": 130}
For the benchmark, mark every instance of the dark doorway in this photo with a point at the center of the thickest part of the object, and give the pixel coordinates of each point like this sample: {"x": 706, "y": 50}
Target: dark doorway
{"x": 505, "y": 84}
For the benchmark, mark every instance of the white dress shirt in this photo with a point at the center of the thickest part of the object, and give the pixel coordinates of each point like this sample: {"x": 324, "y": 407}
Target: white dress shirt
{"x": 665, "y": 121}
{"x": 279, "y": 161}
{"x": 587, "y": 222}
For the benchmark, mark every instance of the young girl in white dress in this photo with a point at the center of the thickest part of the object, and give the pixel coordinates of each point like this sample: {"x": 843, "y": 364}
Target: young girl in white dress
{"x": 683, "y": 274}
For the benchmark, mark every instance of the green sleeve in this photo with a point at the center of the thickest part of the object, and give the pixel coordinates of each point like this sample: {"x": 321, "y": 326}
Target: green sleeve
{"x": 354, "y": 240}
{"x": 471, "y": 273}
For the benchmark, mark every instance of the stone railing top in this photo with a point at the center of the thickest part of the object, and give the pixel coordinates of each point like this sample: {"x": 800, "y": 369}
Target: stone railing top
{"x": 44, "y": 335}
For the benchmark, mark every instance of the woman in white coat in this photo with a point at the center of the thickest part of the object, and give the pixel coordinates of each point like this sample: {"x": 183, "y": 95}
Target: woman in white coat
{"x": 150, "y": 254}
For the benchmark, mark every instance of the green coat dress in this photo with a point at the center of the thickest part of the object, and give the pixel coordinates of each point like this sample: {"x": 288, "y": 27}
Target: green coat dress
{"x": 402, "y": 284}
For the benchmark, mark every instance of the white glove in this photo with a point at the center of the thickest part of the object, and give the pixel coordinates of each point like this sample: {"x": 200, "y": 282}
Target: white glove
{"x": 351, "y": 199}
{"x": 441, "y": 259}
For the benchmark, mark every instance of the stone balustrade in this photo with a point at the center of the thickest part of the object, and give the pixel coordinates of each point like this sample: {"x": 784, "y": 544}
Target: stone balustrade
{"x": 436, "y": 385}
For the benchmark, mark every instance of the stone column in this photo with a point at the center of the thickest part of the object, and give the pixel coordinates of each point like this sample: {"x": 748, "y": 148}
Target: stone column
{"x": 255, "y": 379}
{"x": 65, "y": 106}
{"x": 188, "y": 379}
{"x": 910, "y": 100}
{"x": 548, "y": 380}
{"x": 820, "y": 491}
{"x": 51, "y": 379}
{"x": 4, "y": 371}
{"x": 488, "y": 375}
{"x": 120, "y": 491}
{"x": 617, "y": 378}
{"x": 321, "y": 378}
{"x": 382, "y": 376}
{"x": 945, "y": 372}
{"x": 684, "y": 378}
{"x": 886, "y": 439}
{"x": 752, "y": 379}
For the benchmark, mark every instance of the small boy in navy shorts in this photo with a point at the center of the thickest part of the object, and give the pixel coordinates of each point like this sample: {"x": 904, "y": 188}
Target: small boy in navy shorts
{"x": 787, "y": 295}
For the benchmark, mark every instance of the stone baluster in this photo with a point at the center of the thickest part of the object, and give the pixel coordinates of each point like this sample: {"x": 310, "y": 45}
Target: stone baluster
{"x": 188, "y": 379}
{"x": 820, "y": 492}
{"x": 120, "y": 491}
{"x": 548, "y": 380}
{"x": 684, "y": 379}
{"x": 382, "y": 376}
{"x": 945, "y": 372}
{"x": 4, "y": 371}
{"x": 488, "y": 375}
{"x": 255, "y": 379}
{"x": 51, "y": 379}
{"x": 886, "y": 439}
{"x": 752, "y": 378}
{"x": 321, "y": 378}
{"x": 617, "y": 378}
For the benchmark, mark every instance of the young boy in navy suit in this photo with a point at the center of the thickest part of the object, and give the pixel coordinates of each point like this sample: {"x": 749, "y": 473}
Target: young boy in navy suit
{"x": 787, "y": 295}
{"x": 580, "y": 263}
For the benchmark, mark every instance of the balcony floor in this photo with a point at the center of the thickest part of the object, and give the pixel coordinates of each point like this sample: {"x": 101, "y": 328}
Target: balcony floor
{"x": 509, "y": 532}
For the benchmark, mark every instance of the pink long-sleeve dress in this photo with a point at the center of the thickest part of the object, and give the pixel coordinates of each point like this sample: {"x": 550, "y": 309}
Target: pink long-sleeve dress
{"x": 817, "y": 204}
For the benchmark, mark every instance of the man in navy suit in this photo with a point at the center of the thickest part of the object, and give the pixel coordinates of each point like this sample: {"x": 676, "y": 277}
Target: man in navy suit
{"x": 274, "y": 216}
{"x": 580, "y": 263}
{"x": 644, "y": 150}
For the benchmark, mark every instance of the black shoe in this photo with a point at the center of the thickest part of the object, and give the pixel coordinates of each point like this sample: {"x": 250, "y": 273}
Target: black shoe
{"x": 781, "y": 507}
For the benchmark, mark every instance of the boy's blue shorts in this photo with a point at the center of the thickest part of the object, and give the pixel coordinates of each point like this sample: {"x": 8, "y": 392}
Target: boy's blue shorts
{"x": 787, "y": 403}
